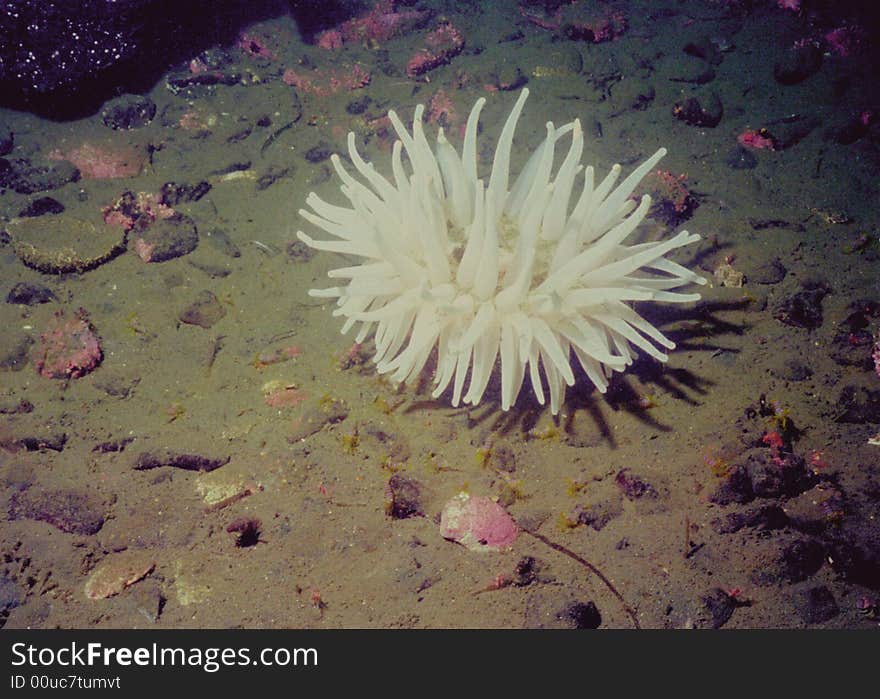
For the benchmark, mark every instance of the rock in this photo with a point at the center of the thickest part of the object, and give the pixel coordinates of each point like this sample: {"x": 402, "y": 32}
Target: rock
{"x": 599, "y": 513}
{"x": 298, "y": 251}
{"x": 117, "y": 572}
{"x": 694, "y": 71}
{"x": 128, "y": 112}
{"x": 220, "y": 241}
{"x": 23, "y": 177}
{"x": 858, "y": 405}
{"x": 117, "y": 383}
{"x": 581, "y": 615}
{"x": 789, "y": 369}
{"x": 816, "y": 605}
{"x": 73, "y": 511}
{"x": 166, "y": 238}
{"x": 802, "y": 309}
{"x": 61, "y": 243}
{"x": 773, "y": 476}
{"x": 68, "y": 349}
{"x": 30, "y": 294}
{"x": 172, "y": 193}
{"x": 769, "y": 272}
{"x": 736, "y": 487}
{"x": 720, "y": 606}
{"x": 319, "y": 153}
{"x": 802, "y": 559}
{"x": 705, "y": 111}
{"x": 42, "y": 206}
{"x": 478, "y": 523}
{"x": 634, "y": 487}
{"x": 798, "y": 64}
{"x": 11, "y": 595}
{"x": 205, "y": 311}
{"x": 313, "y": 419}
{"x": 148, "y": 460}
{"x": 813, "y": 509}
{"x": 403, "y": 497}
{"x": 15, "y": 348}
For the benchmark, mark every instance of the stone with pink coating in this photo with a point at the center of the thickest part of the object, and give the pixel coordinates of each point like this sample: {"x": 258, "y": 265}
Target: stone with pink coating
{"x": 477, "y": 523}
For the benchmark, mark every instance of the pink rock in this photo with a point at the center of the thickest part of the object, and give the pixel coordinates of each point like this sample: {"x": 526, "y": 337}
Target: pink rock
{"x": 441, "y": 110}
{"x": 327, "y": 81}
{"x": 478, "y": 523}
{"x": 101, "y": 162}
{"x": 380, "y": 24}
{"x": 287, "y": 397}
{"x": 69, "y": 348}
{"x": 443, "y": 44}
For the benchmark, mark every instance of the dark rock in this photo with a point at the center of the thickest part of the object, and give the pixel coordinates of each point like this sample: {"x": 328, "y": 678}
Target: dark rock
{"x": 798, "y": 64}
{"x": 192, "y": 82}
{"x": 53, "y": 441}
{"x": 801, "y": 559}
{"x": 403, "y": 497}
{"x": 526, "y": 571}
{"x": 858, "y": 405}
{"x": 116, "y": 383}
{"x": 816, "y": 605}
{"x": 319, "y": 153}
{"x": 633, "y": 486}
{"x": 720, "y": 606}
{"x": 706, "y": 49}
{"x": 773, "y": 476}
{"x": 854, "y": 553}
{"x": 212, "y": 269}
{"x": 173, "y": 193}
{"x": 358, "y": 106}
{"x": 7, "y": 142}
{"x": 29, "y": 294}
{"x": 148, "y": 460}
{"x": 802, "y": 309}
{"x": 166, "y": 239}
{"x": 219, "y": 240}
{"x": 11, "y": 595}
{"x": 769, "y": 272}
{"x": 789, "y": 369}
{"x": 71, "y": 511}
{"x": 205, "y": 311}
{"x": 128, "y": 112}
{"x": 298, "y": 251}
{"x": 736, "y": 487}
{"x": 13, "y": 407}
{"x": 14, "y": 351}
{"x": 693, "y": 71}
{"x": 740, "y": 158}
{"x": 272, "y": 174}
{"x": 21, "y": 176}
{"x": 41, "y": 206}
{"x": 705, "y": 111}
{"x": 581, "y": 615}
{"x": 599, "y": 513}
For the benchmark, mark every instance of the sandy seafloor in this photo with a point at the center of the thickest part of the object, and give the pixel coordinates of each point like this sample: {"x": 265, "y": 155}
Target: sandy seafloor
{"x": 632, "y": 482}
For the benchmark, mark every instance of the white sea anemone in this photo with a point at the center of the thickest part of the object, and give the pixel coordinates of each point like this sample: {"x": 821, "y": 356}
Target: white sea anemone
{"x": 531, "y": 273}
